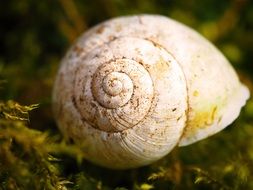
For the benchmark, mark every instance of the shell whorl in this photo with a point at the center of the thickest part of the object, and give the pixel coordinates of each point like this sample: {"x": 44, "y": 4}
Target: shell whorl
{"x": 118, "y": 90}
{"x": 124, "y": 92}
{"x": 126, "y": 87}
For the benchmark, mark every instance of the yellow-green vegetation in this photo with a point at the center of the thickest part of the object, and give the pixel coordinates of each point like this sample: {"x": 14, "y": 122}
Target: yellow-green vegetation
{"x": 34, "y": 35}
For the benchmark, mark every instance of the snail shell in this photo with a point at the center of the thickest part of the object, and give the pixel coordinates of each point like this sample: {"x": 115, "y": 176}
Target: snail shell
{"x": 132, "y": 88}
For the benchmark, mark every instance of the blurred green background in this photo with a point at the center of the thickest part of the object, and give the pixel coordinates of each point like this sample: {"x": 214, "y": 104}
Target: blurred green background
{"x": 34, "y": 36}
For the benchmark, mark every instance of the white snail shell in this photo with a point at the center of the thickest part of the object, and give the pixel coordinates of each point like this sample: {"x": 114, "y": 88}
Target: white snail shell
{"x": 132, "y": 88}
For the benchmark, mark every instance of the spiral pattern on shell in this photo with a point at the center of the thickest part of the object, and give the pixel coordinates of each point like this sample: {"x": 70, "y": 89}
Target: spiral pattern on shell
{"x": 131, "y": 89}
{"x": 116, "y": 87}
{"x": 123, "y": 92}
